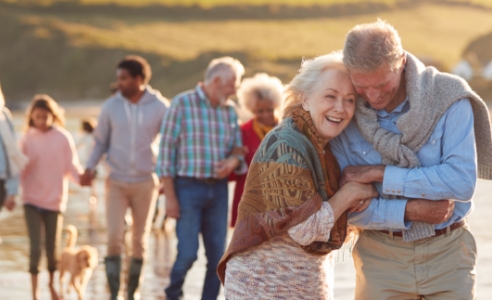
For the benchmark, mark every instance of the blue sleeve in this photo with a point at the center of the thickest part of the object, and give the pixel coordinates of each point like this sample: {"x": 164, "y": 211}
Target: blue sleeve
{"x": 12, "y": 185}
{"x": 102, "y": 135}
{"x": 382, "y": 213}
{"x": 455, "y": 177}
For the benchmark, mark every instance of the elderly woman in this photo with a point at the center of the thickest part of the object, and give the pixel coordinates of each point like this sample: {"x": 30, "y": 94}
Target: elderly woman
{"x": 293, "y": 213}
{"x": 261, "y": 96}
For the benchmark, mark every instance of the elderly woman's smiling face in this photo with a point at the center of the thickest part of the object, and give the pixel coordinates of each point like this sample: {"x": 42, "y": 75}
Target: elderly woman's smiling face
{"x": 332, "y": 104}
{"x": 264, "y": 112}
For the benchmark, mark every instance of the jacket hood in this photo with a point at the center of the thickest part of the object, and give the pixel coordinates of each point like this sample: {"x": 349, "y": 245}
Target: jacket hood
{"x": 150, "y": 95}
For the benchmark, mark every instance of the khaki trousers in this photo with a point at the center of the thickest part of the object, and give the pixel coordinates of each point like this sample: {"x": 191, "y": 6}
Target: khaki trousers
{"x": 441, "y": 267}
{"x": 141, "y": 198}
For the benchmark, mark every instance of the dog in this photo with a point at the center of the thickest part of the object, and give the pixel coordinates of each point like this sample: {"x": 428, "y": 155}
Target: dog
{"x": 79, "y": 262}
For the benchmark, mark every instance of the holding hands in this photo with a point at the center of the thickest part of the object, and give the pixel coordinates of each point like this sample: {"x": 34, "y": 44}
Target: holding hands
{"x": 87, "y": 177}
{"x": 423, "y": 210}
{"x": 10, "y": 202}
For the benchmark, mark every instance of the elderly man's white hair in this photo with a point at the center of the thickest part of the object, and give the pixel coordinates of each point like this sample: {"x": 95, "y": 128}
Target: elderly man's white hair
{"x": 260, "y": 87}
{"x": 371, "y": 46}
{"x": 224, "y": 67}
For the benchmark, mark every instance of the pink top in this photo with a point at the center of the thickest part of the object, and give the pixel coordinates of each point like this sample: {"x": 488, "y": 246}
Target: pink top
{"x": 53, "y": 160}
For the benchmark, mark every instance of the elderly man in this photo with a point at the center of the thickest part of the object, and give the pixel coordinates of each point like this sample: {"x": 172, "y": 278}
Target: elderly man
{"x": 201, "y": 145}
{"x": 417, "y": 134}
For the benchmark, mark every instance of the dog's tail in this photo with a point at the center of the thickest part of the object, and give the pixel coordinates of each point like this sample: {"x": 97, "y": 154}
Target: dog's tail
{"x": 72, "y": 236}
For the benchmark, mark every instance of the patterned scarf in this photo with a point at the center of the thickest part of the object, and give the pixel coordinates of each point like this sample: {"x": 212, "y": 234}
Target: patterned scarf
{"x": 260, "y": 129}
{"x": 291, "y": 174}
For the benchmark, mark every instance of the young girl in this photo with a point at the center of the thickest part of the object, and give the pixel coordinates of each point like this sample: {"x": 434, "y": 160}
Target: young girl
{"x": 44, "y": 181}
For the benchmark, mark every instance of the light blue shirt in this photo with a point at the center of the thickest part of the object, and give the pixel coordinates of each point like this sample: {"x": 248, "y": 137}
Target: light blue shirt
{"x": 11, "y": 183}
{"x": 448, "y": 167}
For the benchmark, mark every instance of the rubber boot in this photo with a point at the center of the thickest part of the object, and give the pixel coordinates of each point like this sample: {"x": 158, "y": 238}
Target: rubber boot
{"x": 113, "y": 269}
{"x": 134, "y": 276}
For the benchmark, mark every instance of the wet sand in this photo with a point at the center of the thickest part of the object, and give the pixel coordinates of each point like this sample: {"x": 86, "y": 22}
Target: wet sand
{"x": 14, "y": 279}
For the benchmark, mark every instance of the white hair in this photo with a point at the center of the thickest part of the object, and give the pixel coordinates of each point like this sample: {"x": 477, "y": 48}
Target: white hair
{"x": 371, "y": 46}
{"x": 225, "y": 68}
{"x": 260, "y": 87}
{"x": 306, "y": 81}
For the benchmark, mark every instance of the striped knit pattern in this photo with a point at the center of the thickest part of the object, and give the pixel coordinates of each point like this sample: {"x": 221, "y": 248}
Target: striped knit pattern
{"x": 195, "y": 136}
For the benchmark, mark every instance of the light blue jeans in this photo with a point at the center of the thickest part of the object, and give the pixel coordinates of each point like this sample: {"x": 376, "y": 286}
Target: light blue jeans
{"x": 203, "y": 208}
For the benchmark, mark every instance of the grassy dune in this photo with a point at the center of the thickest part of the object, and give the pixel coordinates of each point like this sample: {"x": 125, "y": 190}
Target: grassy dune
{"x": 72, "y": 54}
{"x": 430, "y": 30}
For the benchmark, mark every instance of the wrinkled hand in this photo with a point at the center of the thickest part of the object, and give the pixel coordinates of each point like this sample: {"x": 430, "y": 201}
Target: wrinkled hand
{"x": 172, "y": 208}
{"x": 360, "y": 191}
{"x": 361, "y": 205}
{"x": 362, "y": 174}
{"x": 241, "y": 151}
{"x": 361, "y": 195}
{"x": 10, "y": 202}
{"x": 429, "y": 211}
{"x": 224, "y": 167}
{"x": 87, "y": 177}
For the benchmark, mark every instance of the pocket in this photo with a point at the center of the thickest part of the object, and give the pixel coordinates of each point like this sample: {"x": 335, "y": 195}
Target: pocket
{"x": 361, "y": 148}
{"x": 436, "y": 137}
{"x": 469, "y": 242}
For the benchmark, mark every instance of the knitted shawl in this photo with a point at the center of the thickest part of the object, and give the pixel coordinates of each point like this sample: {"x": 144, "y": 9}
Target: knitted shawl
{"x": 430, "y": 94}
{"x": 291, "y": 174}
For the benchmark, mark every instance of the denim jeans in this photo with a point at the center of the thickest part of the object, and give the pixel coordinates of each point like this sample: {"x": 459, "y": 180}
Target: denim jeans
{"x": 203, "y": 208}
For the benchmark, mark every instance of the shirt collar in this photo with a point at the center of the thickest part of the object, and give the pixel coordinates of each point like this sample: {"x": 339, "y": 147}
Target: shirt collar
{"x": 201, "y": 94}
{"x": 400, "y": 108}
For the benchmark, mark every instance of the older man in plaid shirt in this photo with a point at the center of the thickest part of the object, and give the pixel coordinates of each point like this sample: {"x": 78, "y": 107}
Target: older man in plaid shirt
{"x": 201, "y": 145}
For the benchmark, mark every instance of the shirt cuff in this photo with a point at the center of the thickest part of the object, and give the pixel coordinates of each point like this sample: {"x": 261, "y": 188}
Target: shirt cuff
{"x": 394, "y": 180}
{"x": 395, "y": 216}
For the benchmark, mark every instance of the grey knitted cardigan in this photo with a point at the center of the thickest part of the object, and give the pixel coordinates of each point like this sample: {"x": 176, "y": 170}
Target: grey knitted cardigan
{"x": 430, "y": 94}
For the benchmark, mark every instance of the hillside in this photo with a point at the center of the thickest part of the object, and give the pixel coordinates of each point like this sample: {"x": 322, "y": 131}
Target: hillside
{"x": 69, "y": 50}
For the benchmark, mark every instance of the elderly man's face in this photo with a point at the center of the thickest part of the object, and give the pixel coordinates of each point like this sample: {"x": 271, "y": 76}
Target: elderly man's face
{"x": 226, "y": 89}
{"x": 378, "y": 88}
{"x": 332, "y": 105}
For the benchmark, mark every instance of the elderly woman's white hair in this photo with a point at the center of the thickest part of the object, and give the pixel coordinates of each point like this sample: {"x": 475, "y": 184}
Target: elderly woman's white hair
{"x": 306, "y": 81}
{"x": 224, "y": 67}
{"x": 260, "y": 87}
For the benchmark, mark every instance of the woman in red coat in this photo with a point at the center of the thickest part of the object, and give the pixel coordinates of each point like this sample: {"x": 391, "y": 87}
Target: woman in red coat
{"x": 261, "y": 95}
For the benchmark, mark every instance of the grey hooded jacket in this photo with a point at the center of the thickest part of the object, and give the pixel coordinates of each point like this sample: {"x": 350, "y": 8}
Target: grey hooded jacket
{"x": 128, "y": 134}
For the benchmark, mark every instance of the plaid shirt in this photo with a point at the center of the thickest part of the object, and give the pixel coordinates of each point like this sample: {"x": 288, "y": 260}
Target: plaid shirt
{"x": 195, "y": 136}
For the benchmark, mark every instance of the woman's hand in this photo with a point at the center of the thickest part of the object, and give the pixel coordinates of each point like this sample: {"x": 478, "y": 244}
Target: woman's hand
{"x": 361, "y": 205}
{"x": 362, "y": 195}
{"x": 360, "y": 191}
{"x": 349, "y": 197}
